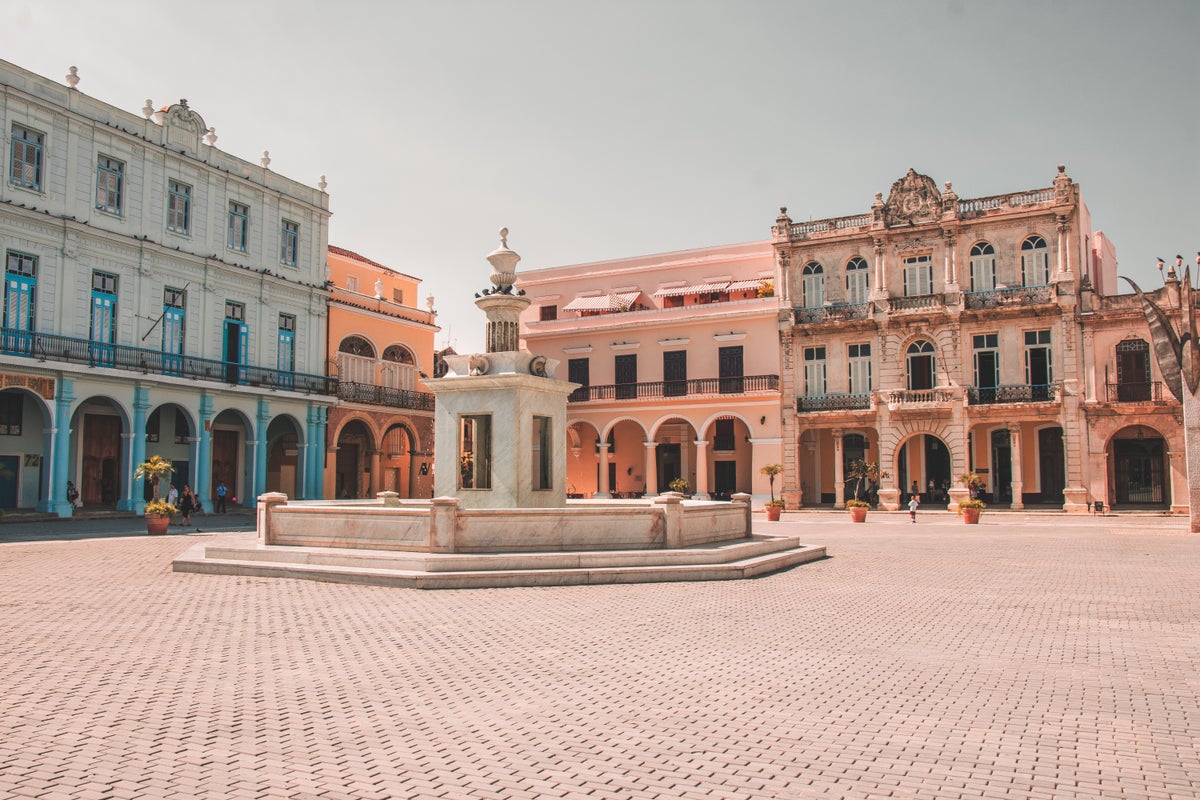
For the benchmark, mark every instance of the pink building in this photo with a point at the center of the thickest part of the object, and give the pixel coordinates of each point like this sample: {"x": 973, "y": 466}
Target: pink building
{"x": 677, "y": 357}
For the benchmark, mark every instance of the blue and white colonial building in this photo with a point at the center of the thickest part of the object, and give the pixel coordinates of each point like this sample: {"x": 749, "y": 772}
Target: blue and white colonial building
{"x": 161, "y": 296}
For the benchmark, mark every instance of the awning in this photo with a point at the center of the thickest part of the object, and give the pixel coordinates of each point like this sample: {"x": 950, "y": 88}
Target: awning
{"x": 757, "y": 283}
{"x": 700, "y": 288}
{"x": 622, "y": 301}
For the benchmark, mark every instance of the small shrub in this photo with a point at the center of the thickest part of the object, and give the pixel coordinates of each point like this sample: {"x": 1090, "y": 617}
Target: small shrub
{"x": 160, "y": 508}
{"x": 857, "y": 504}
{"x": 971, "y": 504}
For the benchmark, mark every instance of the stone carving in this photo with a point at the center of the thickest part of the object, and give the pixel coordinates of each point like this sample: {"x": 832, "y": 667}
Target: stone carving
{"x": 478, "y": 365}
{"x": 916, "y": 244}
{"x": 538, "y": 366}
{"x": 914, "y": 198}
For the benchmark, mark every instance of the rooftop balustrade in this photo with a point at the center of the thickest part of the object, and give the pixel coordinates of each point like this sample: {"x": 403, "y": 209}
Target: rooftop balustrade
{"x": 695, "y": 387}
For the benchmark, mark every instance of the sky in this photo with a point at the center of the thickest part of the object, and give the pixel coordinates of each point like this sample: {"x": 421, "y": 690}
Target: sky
{"x": 629, "y": 127}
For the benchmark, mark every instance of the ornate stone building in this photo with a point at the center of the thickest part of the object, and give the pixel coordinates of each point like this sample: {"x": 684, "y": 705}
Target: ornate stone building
{"x": 937, "y": 335}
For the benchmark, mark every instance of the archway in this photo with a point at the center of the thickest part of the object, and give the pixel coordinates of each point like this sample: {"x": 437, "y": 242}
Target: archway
{"x": 24, "y": 439}
{"x": 354, "y": 445}
{"x": 101, "y": 424}
{"x": 231, "y": 465}
{"x": 169, "y": 433}
{"x": 396, "y": 461}
{"x": 923, "y": 460}
{"x": 1138, "y": 469}
{"x": 675, "y": 454}
{"x": 582, "y": 459}
{"x": 729, "y": 458}
{"x": 283, "y": 456}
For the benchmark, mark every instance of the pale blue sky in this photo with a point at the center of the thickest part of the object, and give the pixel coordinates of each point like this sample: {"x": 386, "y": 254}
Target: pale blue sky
{"x": 606, "y": 130}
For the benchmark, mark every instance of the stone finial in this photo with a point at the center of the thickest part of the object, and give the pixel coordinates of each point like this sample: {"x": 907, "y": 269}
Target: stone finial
{"x": 504, "y": 264}
{"x": 321, "y": 184}
{"x": 504, "y": 237}
{"x": 148, "y": 109}
{"x": 183, "y": 102}
{"x": 266, "y": 159}
{"x": 210, "y": 138}
{"x": 379, "y": 288}
{"x": 73, "y": 77}
{"x": 429, "y": 304}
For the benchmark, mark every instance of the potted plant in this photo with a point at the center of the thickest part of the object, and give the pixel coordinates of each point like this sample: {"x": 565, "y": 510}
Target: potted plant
{"x": 970, "y": 510}
{"x": 681, "y": 486}
{"x": 773, "y": 507}
{"x": 858, "y": 510}
{"x": 158, "y": 512}
{"x": 863, "y": 472}
{"x": 970, "y": 482}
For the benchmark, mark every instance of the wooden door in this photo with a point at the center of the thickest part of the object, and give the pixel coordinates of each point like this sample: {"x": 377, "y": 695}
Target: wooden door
{"x": 225, "y": 464}
{"x": 100, "y": 474}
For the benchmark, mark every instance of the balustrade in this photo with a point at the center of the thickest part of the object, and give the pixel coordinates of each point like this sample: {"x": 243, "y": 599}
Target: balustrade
{"x": 1028, "y": 393}
{"x": 1020, "y": 295}
{"x": 916, "y": 302}
{"x": 837, "y": 312}
{"x": 689, "y": 388}
{"x": 1140, "y": 392}
{"x": 833, "y": 402}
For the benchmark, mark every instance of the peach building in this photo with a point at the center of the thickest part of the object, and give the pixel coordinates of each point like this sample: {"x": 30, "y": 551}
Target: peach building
{"x": 677, "y": 357}
{"x": 380, "y": 435}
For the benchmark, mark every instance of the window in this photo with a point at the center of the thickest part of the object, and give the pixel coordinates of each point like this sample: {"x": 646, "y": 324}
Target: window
{"x": 858, "y": 281}
{"x": 110, "y": 183}
{"x": 398, "y": 296}
{"x": 179, "y": 207}
{"x": 814, "y": 371}
{"x": 547, "y": 313}
{"x": 577, "y": 372}
{"x": 723, "y": 440}
{"x": 289, "y": 243}
{"x": 987, "y": 363}
{"x": 20, "y": 294}
{"x": 626, "y": 373}
{"x": 236, "y": 345}
{"x": 813, "y": 285}
{"x": 674, "y": 373}
{"x": 983, "y": 268}
{"x": 541, "y": 453}
{"x": 26, "y": 161}
{"x": 174, "y": 312}
{"x": 1133, "y": 371}
{"x": 918, "y": 276}
{"x": 104, "y": 316}
{"x": 729, "y": 366}
{"x": 860, "y": 368}
{"x": 1035, "y": 262}
{"x": 352, "y": 283}
{"x": 920, "y": 365}
{"x": 235, "y": 311}
{"x": 239, "y": 226}
{"x": 285, "y": 360}
{"x": 1039, "y": 370}
{"x": 12, "y": 407}
{"x": 475, "y": 451}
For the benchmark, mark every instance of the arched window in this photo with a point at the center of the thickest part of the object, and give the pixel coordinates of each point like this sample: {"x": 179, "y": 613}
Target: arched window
{"x": 356, "y": 361}
{"x": 1133, "y": 371}
{"x": 858, "y": 280}
{"x": 1035, "y": 262}
{"x": 920, "y": 365}
{"x": 356, "y": 346}
{"x": 983, "y": 268}
{"x": 399, "y": 368}
{"x": 814, "y": 285}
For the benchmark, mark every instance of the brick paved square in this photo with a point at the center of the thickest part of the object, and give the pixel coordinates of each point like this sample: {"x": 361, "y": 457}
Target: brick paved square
{"x": 1030, "y": 656}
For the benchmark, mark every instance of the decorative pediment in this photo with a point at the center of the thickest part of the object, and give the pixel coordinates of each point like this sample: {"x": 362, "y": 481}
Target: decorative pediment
{"x": 914, "y": 199}
{"x": 182, "y": 127}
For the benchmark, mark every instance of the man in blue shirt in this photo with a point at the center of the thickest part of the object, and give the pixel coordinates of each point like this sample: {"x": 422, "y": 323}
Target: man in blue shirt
{"x": 221, "y": 492}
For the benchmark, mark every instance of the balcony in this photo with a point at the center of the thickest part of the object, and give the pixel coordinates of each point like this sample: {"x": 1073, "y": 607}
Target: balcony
{"x": 1143, "y": 392}
{"x": 833, "y": 402}
{"x": 918, "y": 399}
{"x": 994, "y": 395}
{"x": 837, "y": 312}
{"x": 52, "y": 347}
{"x": 920, "y": 302}
{"x": 384, "y": 396}
{"x": 1002, "y": 298}
{"x": 698, "y": 387}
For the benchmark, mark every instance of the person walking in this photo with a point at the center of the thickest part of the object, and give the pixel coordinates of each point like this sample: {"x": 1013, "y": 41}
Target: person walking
{"x": 173, "y": 495}
{"x": 187, "y": 504}
{"x": 221, "y": 492}
{"x": 913, "y": 503}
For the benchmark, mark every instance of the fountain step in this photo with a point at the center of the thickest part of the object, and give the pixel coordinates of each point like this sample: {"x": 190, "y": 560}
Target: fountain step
{"x": 742, "y": 558}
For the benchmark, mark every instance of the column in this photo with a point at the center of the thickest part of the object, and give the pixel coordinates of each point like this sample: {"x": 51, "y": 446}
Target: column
{"x": 319, "y": 462}
{"x": 260, "y": 448}
{"x": 137, "y": 453}
{"x": 203, "y": 487}
{"x": 126, "y": 482}
{"x": 602, "y": 479}
{"x": 57, "y": 499}
{"x": 839, "y": 471}
{"x": 1063, "y": 264}
{"x": 312, "y": 485}
{"x": 1015, "y": 458}
{"x": 376, "y": 467}
{"x": 701, "y": 470}
{"x": 651, "y": 468}
{"x": 879, "y": 289}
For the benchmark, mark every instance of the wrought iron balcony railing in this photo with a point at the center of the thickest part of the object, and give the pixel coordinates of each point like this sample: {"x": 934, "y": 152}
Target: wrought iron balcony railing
{"x": 687, "y": 388}
{"x": 1018, "y": 296}
{"x": 1134, "y": 392}
{"x": 832, "y": 313}
{"x": 833, "y": 402}
{"x": 52, "y": 347}
{"x": 1030, "y": 393}
{"x": 384, "y": 396}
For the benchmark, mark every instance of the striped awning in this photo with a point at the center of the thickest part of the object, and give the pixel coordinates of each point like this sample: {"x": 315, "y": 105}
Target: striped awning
{"x": 757, "y": 283}
{"x": 699, "y": 288}
{"x": 618, "y": 301}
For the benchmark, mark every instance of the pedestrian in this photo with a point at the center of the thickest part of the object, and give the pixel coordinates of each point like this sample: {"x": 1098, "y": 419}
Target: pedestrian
{"x": 916, "y": 489}
{"x": 187, "y": 504}
{"x": 173, "y": 495}
{"x": 73, "y": 495}
{"x": 913, "y": 503}
{"x": 931, "y": 490}
{"x": 221, "y": 492}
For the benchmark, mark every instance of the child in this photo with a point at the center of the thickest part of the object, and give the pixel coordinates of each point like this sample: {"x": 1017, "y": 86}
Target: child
{"x": 913, "y": 502}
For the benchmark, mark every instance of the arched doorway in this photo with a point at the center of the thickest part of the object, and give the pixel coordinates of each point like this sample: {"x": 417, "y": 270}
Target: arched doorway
{"x": 582, "y": 458}
{"x": 354, "y": 444}
{"x": 675, "y": 454}
{"x": 24, "y": 439}
{"x": 1139, "y": 473}
{"x": 399, "y": 368}
{"x": 283, "y": 456}
{"x": 729, "y": 458}
{"x": 396, "y": 461}
{"x": 100, "y": 423}
{"x": 924, "y": 460}
{"x": 169, "y": 433}
{"x": 1052, "y": 465}
{"x": 356, "y": 361}
{"x": 230, "y": 464}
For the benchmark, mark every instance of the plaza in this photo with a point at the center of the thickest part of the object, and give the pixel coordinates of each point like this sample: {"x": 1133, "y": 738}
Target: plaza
{"x": 1032, "y": 656}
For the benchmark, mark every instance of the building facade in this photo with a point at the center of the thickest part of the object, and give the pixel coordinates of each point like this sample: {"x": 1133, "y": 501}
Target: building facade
{"x": 937, "y": 335}
{"x": 380, "y": 435}
{"x": 677, "y": 361}
{"x": 161, "y": 297}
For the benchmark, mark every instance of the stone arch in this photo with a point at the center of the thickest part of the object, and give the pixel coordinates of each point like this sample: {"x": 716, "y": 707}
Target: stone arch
{"x": 23, "y": 484}
{"x": 612, "y": 423}
{"x": 285, "y": 434}
{"x": 101, "y": 425}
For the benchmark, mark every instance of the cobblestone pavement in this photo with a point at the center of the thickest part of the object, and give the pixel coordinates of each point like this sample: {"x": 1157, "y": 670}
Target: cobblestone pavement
{"x": 1028, "y": 657}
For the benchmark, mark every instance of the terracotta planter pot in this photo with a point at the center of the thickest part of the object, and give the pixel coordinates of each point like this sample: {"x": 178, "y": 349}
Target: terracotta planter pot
{"x": 858, "y": 513}
{"x": 157, "y": 524}
{"x": 970, "y": 515}
{"x": 773, "y": 513}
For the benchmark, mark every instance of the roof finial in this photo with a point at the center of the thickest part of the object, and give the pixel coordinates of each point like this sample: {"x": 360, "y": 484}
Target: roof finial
{"x": 266, "y": 159}
{"x": 73, "y": 77}
{"x": 504, "y": 237}
{"x": 148, "y": 109}
{"x": 321, "y": 184}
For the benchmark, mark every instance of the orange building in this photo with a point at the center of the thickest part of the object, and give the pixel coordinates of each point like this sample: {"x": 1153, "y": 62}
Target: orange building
{"x": 380, "y": 436}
